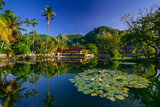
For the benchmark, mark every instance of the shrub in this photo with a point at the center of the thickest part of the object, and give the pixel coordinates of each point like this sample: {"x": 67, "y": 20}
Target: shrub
{"x": 27, "y": 57}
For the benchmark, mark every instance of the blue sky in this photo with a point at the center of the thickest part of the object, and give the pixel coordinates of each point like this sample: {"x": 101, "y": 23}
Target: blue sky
{"x": 77, "y": 16}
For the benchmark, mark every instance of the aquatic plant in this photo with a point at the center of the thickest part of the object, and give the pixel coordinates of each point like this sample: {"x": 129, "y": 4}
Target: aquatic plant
{"x": 110, "y": 84}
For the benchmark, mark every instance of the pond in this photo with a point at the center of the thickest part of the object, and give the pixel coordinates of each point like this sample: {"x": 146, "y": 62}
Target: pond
{"x": 80, "y": 82}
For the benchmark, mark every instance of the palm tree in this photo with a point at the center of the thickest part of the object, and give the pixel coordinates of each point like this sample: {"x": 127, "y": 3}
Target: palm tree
{"x": 10, "y": 91}
{"x": 1, "y": 4}
{"x": 49, "y": 15}
{"x": 4, "y": 30}
{"x": 57, "y": 44}
{"x": 63, "y": 46}
{"x": 49, "y": 99}
{"x": 14, "y": 23}
{"x": 28, "y": 22}
{"x": 34, "y": 24}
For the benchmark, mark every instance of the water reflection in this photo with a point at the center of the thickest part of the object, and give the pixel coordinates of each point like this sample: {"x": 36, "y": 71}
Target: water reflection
{"x": 19, "y": 81}
{"x": 110, "y": 84}
{"x": 10, "y": 91}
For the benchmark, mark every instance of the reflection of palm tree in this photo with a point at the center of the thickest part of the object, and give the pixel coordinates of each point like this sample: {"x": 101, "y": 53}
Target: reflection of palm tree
{"x": 49, "y": 100}
{"x": 10, "y": 92}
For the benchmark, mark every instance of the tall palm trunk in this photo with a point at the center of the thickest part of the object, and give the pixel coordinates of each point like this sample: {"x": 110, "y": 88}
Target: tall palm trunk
{"x": 33, "y": 39}
{"x": 27, "y": 35}
{"x": 47, "y": 37}
{"x": 47, "y": 77}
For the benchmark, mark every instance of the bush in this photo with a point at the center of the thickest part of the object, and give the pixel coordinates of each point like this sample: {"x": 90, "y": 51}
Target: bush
{"x": 10, "y": 57}
{"x": 27, "y": 57}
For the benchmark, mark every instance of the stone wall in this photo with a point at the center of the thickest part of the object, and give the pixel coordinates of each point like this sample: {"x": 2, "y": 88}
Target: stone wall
{"x": 3, "y": 55}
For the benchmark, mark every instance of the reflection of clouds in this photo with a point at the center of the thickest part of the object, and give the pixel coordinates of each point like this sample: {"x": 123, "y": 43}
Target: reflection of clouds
{"x": 158, "y": 73}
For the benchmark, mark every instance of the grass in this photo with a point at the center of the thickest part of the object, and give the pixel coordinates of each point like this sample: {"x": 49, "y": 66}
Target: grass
{"x": 133, "y": 59}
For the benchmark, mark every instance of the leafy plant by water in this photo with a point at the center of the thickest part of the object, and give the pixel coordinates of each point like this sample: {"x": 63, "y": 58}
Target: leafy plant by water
{"x": 110, "y": 84}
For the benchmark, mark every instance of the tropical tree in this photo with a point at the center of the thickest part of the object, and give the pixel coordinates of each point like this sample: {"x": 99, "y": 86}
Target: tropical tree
{"x": 144, "y": 29}
{"x": 56, "y": 43}
{"x": 49, "y": 14}
{"x": 4, "y": 30}
{"x": 21, "y": 46}
{"x": 51, "y": 44}
{"x": 49, "y": 99}
{"x": 10, "y": 92}
{"x": 91, "y": 48}
{"x": 14, "y": 23}
{"x": 63, "y": 46}
{"x": 34, "y": 24}
{"x": 1, "y": 4}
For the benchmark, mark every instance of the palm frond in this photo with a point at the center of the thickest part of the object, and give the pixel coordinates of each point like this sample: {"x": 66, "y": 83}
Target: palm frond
{"x": 19, "y": 28}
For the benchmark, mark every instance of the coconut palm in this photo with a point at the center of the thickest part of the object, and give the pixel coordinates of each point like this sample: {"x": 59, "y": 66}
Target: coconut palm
{"x": 14, "y": 23}
{"x": 49, "y": 15}
{"x": 49, "y": 99}
{"x": 57, "y": 44}
{"x": 1, "y": 4}
{"x": 10, "y": 92}
{"x": 34, "y": 24}
{"x": 4, "y": 29}
{"x": 28, "y": 22}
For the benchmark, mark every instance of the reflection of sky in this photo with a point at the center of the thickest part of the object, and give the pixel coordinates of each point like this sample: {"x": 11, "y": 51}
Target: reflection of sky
{"x": 66, "y": 94}
{"x": 158, "y": 73}
{"x": 77, "y": 16}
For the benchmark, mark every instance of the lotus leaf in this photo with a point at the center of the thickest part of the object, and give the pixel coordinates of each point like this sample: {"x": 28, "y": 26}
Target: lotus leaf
{"x": 111, "y": 98}
{"x": 111, "y": 84}
{"x": 119, "y": 97}
{"x": 94, "y": 94}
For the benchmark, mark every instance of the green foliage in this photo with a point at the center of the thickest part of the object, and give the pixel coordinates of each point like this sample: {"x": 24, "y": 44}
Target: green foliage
{"x": 108, "y": 84}
{"x": 90, "y": 48}
{"x": 28, "y": 22}
{"x": 14, "y": 23}
{"x": 143, "y": 31}
{"x": 1, "y": 4}
{"x": 92, "y": 37}
{"x": 10, "y": 57}
{"x": 34, "y": 23}
{"x": 4, "y": 29}
{"x": 27, "y": 57}
{"x": 21, "y": 46}
{"x": 48, "y": 13}
{"x": 71, "y": 39}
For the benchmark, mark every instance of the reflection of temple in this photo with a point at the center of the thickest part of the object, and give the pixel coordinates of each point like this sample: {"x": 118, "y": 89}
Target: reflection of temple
{"x": 70, "y": 61}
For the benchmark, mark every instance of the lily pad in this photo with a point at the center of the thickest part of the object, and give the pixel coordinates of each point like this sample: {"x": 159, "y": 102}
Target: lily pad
{"x": 111, "y": 84}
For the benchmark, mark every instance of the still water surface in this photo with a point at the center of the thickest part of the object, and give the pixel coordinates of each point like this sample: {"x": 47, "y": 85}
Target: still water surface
{"x": 46, "y": 83}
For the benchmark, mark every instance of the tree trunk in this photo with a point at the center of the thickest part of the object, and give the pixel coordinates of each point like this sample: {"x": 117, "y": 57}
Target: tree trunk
{"x": 33, "y": 39}
{"x": 47, "y": 37}
{"x": 27, "y": 35}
